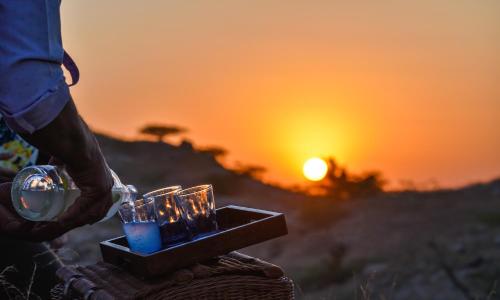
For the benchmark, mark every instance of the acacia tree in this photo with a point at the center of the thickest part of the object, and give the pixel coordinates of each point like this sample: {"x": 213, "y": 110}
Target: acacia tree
{"x": 160, "y": 131}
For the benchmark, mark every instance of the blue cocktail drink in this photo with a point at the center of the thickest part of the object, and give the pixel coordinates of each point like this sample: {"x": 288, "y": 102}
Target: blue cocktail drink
{"x": 140, "y": 226}
{"x": 143, "y": 237}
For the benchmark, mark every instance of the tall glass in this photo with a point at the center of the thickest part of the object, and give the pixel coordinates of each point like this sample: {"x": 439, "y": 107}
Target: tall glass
{"x": 139, "y": 224}
{"x": 198, "y": 205}
{"x": 173, "y": 228}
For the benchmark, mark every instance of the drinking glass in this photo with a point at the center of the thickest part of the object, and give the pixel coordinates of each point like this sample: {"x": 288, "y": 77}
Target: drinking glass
{"x": 198, "y": 206}
{"x": 139, "y": 224}
{"x": 173, "y": 227}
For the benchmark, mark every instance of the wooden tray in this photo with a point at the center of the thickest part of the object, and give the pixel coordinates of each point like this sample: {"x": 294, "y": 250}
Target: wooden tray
{"x": 239, "y": 227}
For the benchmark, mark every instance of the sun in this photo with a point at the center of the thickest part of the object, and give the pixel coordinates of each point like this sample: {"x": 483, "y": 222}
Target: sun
{"x": 315, "y": 169}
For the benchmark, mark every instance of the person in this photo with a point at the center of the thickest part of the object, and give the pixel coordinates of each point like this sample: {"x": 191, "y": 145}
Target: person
{"x": 35, "y": 102}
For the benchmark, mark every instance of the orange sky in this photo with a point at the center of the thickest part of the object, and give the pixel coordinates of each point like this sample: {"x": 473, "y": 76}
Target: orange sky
{"x": 412, "y": 90}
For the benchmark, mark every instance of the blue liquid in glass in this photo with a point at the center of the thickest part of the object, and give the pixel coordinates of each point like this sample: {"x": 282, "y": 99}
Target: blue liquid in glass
{"x": 143, "y": 237}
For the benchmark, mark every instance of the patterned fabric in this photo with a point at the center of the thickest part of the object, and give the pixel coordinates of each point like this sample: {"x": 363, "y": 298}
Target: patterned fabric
{"x": 24, "y": 154}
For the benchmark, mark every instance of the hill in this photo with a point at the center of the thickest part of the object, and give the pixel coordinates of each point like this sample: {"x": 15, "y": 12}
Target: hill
{"x": 401, "y": 245}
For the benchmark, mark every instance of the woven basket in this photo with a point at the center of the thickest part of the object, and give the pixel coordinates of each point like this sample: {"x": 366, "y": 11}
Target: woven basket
{"x": 232, "y": 276}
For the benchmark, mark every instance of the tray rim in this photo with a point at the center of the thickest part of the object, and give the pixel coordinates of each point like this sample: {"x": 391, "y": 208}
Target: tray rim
{"x": 271, "y": 214}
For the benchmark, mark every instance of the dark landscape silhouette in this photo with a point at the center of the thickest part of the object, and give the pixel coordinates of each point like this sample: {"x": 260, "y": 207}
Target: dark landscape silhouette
{"x": 352, "y": 241}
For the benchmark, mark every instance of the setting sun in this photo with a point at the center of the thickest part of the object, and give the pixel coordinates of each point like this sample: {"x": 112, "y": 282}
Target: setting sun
{"x": 315, "y": 169}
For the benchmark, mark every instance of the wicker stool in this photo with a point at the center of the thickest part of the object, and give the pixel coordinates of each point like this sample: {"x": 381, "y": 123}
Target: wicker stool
{"x": 232, "y": 276}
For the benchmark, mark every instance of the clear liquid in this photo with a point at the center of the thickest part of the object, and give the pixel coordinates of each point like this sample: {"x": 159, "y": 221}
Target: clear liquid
{"x": 44, "y": 192}
{"x": 48, "y": 205}
{"x": 44, "y": 205}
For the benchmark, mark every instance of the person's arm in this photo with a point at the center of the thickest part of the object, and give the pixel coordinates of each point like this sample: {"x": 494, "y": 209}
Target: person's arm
{"x": 70, "y": 141}
{"x": 35, "y": 102}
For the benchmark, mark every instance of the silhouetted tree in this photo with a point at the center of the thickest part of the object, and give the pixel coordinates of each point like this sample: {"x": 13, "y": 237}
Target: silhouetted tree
{"x": 160, "y": 131}
{"x": 339, "y": 184}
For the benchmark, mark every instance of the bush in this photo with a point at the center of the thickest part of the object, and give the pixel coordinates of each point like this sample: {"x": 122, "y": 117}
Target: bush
{"x": 339, "y": 184}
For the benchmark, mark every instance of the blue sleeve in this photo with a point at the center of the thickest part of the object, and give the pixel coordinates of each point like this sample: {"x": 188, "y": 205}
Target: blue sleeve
{"x": 33, "y": 90}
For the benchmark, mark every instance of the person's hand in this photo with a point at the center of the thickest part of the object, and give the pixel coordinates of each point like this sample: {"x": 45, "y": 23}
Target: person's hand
{"x": 14, "y": 226}
{"x": 95, "y": 197}
{"x": 69, "y": 139}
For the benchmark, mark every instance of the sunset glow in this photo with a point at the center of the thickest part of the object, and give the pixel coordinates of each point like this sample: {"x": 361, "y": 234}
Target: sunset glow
{"x": 406, "y": 88}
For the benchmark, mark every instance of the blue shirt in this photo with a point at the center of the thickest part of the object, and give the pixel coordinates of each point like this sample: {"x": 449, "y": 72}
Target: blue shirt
{"x": 32, "y": 86}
